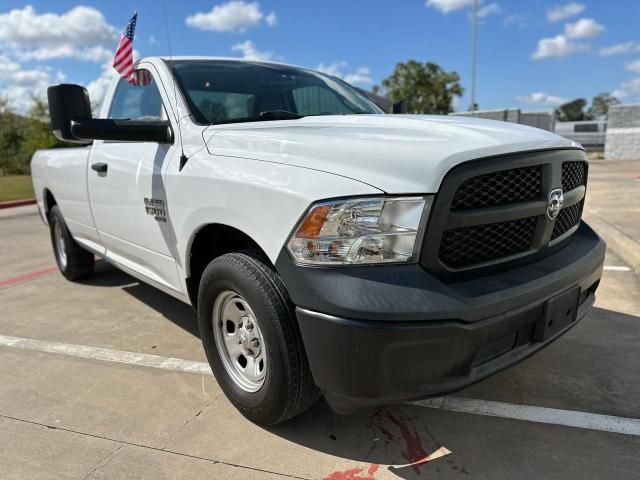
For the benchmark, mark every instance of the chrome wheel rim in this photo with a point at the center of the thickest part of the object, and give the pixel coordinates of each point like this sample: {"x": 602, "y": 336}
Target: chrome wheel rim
{"x": 239, "y": 341}
{"x": 61, "y": 246}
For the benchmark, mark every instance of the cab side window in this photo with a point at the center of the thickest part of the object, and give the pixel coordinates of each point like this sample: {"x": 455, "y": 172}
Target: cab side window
{"x": 137, "y": 102}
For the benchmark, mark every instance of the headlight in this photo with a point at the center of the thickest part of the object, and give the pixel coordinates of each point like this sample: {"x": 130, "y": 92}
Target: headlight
{"x": 360, "y": 231}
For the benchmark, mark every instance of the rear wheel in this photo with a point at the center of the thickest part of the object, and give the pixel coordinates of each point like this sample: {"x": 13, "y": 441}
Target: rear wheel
{"x": 73, "y": 261}
{"x": 252, "y": 341}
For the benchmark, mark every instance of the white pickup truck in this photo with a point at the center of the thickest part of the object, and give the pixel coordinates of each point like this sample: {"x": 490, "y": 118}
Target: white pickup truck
{"x": 327, "y": 248}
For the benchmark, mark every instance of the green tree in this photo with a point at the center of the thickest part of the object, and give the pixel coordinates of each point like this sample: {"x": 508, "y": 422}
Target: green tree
{"x": 4, "y": 104}
{"x": 12, "y": 136}
{"x": 426, "y": 87}
{"x": 601, "y": 103}
{"x": 573, "y": 111}
{"x": 21, "y": 136}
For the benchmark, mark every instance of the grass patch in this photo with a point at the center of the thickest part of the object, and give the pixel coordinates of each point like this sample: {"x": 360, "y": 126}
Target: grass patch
{"x": 15, "y": 187}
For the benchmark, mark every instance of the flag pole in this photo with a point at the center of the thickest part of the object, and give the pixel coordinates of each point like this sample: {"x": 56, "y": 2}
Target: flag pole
{"x": 474, "y": 41}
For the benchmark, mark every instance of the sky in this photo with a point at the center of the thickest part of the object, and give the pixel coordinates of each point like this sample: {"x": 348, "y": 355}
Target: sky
{"x": 532, "y": 55}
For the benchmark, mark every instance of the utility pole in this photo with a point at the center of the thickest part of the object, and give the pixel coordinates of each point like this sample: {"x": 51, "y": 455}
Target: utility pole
{"x": 474, "y": 41}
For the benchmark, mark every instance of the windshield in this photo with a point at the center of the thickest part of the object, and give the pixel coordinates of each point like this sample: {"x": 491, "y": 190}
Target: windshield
{"x": 220, "y": 91}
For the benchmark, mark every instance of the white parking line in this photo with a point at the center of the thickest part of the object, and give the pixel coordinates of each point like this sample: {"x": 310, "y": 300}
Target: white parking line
{"x": 615, "y": 268}
{"x": 553, "y": 416}
{"x": 569, "y": 418}
{"x": 108, "y": 355}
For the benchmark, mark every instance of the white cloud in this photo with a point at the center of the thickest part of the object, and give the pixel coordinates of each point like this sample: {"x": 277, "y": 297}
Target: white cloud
{"x": 19, "y": 86}
{"x": 82, "y": 34}
{"x": 633, "y": 66}
{"x": 583, "y": 28}
{"x": 557, "y": 47}
{"x": 233, "y": 16}
{"x": 446, "y": 6}
{"x": 79, "y": 26}
{"x": 490, "y": 9}
{"x": 619, "y": 49}
{"x": 250, "y": 52}
{"x": 334, "y": 69}
{"x": 542, "y": 99}
{"x": 7, "y": 66}
{"x": 516, "y": 20}
{"x": 629, "y": 90}
{"x": 153, "y": 40}
{"x": 361, "y": 75}
{"x": 91, "y": 54}
{"x": 98, "y": 88}
{"x": 560, "y": 12}
{"x": 271, "y": 19}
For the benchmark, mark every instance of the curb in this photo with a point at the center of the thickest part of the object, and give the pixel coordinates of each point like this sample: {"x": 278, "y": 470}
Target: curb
{"x": 619, "y": 242}
{"x": 17, "y": 203}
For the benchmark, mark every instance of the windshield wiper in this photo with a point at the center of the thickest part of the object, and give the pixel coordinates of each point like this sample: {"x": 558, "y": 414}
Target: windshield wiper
{"x": 279, "y": 115}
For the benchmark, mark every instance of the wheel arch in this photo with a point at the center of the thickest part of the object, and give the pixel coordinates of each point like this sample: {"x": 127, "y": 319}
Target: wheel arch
{"x": 209, "y": 242}
{"x": 49, "y": 201}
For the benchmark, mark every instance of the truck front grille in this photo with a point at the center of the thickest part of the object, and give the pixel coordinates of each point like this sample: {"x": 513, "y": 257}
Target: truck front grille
{"x": 573, "y": 175}
{"x": 464, "y": 246}
{"x": 568, "y": 218}
{"x": 486, "y": 215}
{"x": 499, "y": 188}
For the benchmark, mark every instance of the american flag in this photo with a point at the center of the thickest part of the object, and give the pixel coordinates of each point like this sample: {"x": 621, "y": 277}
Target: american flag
{"x": 123, "y": 59}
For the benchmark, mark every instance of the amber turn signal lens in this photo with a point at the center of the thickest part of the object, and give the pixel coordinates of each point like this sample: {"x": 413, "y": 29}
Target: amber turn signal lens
{"x": 313, "y": 222}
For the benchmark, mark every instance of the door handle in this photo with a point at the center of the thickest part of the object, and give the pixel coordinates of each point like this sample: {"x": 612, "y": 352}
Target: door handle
{"x": 99, "y": 167}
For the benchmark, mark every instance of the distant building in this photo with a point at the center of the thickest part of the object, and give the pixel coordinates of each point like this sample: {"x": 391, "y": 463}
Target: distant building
{"x": 545, "y": 120}
{"x": 502, "y": 114}
{"x": 590, "y": 134}
{"x": 623, "y": 133}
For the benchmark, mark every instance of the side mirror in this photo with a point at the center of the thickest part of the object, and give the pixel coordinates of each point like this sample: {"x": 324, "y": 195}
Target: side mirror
{"x": 68, "y": 102}
{"x": 71, "y": 119}
{"x": 157, "y": 131}
{"x": 400, "y": 107}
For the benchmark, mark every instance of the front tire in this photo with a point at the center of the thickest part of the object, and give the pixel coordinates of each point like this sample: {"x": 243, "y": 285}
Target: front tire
{"x": 73, "y": 261}
{"x": 250, "y": 335}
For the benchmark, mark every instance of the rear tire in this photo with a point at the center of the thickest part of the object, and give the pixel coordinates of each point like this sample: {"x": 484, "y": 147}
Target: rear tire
{"x": 245, "y": 317}
{"x": 73, "y": 261}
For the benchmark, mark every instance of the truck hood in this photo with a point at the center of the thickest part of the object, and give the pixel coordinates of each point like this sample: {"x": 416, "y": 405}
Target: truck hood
{"x": 395, "y": 153}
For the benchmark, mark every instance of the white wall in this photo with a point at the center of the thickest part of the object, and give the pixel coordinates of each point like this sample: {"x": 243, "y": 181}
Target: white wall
{"x": 623, "y": 133}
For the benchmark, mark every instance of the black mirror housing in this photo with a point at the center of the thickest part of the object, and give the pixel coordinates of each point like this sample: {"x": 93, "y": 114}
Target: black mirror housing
{"x": 400, "y": 107}
{"x": 68, "y": 102}
{"x": 71, "y": 120}
{"x": 158, "y": 131}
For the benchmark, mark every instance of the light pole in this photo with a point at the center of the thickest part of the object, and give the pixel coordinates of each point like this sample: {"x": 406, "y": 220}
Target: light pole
{"x": 474, "y": 34}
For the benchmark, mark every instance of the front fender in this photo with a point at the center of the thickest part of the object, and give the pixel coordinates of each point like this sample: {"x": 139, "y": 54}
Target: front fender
{"x": 264, "y": 200}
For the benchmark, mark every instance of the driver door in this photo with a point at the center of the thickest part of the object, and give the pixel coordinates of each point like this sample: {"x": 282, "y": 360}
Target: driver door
{"x": 128, "y": 198}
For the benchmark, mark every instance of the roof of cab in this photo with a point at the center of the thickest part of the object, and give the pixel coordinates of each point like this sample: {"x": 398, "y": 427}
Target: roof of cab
{"x": 226, "y": 59}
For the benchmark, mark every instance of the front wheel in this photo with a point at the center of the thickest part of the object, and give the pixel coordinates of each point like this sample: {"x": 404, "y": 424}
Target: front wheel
{"x": 250, "y": 335}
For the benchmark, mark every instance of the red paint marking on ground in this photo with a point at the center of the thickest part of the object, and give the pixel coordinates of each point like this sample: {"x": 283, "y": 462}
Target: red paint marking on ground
{"x": 413, "y": 449}
{"x": 17, "y": 203}
{"x": 26, "y": 276}
{"x": 354, "y": 474}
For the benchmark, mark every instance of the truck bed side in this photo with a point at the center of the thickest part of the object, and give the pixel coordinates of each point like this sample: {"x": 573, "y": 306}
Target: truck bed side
{"x": 60, "y": 175}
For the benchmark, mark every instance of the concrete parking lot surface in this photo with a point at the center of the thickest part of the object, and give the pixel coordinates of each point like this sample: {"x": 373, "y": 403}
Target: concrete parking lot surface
{"x": 76, "y": 403}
